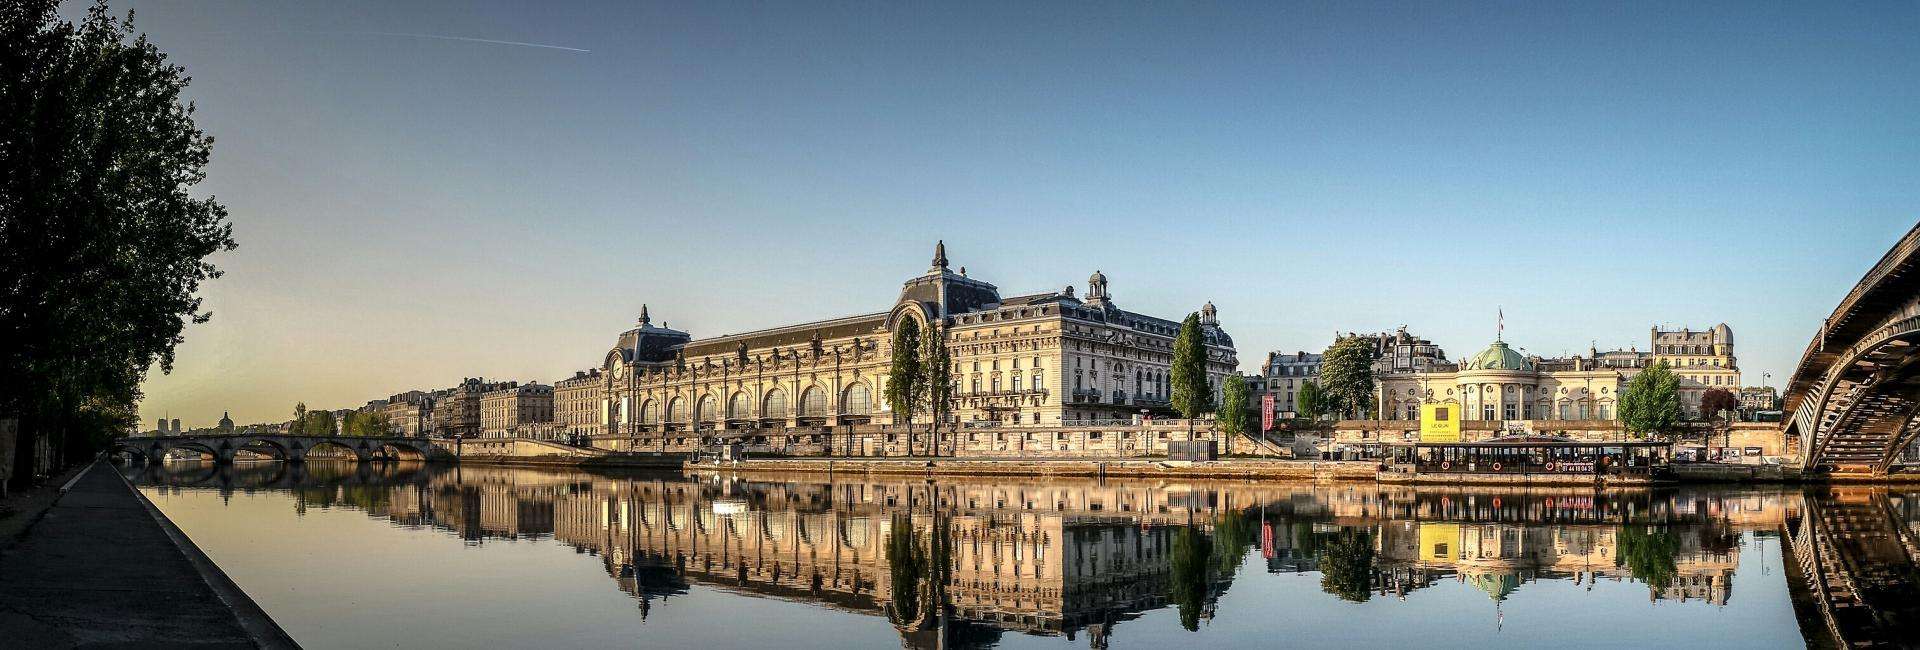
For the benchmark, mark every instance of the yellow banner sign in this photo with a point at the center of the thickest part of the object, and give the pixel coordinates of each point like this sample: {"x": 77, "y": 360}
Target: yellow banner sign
{"x": 1439, "y": 423}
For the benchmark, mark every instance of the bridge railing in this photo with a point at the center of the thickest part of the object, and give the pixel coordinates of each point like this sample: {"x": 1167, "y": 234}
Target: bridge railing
{"x": 1900, "y": 252}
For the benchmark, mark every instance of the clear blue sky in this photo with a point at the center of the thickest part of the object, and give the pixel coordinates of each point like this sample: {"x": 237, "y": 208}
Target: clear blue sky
{"x": 413, "y": 210}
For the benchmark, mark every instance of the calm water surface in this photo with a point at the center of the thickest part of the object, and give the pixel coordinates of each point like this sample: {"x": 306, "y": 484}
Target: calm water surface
{"x": 410, "y": 555}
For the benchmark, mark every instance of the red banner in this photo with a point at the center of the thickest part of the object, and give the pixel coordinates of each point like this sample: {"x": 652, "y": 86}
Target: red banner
{"x": 1266, "y": 412}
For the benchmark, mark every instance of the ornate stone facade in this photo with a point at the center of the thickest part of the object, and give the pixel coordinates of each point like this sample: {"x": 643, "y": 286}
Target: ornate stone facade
{"x": 1046, "y": 358}
{"x": 579, "y": 403}
{"x": 1500, "y": 383}
{"x": 515, "y": 406}
{"x": 410, "y": 413}
{"x": 1703, "y": 360}
{"x": 456, "y": 411}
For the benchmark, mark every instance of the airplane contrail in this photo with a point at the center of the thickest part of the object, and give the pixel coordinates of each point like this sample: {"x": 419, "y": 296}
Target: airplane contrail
{"x": 438, "y": 37}
{"x": 473, "y": 40}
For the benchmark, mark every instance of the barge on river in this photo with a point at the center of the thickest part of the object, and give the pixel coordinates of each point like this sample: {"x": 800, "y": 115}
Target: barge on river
{"x": 1529, "y": 459}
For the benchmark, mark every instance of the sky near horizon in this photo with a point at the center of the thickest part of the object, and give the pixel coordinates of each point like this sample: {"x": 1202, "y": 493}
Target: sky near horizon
{"x": 429, "y": 191}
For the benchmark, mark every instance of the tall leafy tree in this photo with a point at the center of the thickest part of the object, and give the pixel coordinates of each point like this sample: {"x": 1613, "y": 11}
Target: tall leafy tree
{"x": 370, "y": 424}
{"x": 936, "y": 377}
{"x": 903, "y": 377}
{"x": 1346, "y": 377}
{"x": 1235, "y": 415}
{"x": 1650, "y": 404}
{"x": 319, "y": 423}
{"x": 1191, "y": 395}
{"x": 1309, "y": 401}
{"x": 299, "y": 424}
{"x": 102, "y": 245}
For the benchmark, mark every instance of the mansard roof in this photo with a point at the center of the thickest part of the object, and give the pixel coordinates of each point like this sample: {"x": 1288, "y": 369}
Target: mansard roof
{"x": 789, "y": 336}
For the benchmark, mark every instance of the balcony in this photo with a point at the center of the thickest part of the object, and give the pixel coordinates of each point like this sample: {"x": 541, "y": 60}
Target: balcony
{"x": 1004, "y": 393}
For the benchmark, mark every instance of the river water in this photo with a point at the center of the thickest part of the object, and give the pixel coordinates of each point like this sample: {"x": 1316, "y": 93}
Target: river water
{"x": 413, "y": 555}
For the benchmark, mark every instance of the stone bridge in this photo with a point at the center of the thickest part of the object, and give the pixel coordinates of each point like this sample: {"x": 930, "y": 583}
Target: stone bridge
{"x": 1853, "y": 397}
{"x": 291, "y": 448}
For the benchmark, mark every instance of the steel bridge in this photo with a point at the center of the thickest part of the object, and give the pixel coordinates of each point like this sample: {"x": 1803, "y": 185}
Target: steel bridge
{"x": 1854, "y": 395}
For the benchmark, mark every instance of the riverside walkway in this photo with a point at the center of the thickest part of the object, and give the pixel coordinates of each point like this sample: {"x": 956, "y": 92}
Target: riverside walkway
{"x": 103, "y": 568}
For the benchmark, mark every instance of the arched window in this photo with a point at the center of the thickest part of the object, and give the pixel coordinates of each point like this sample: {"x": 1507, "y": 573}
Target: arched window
{"x": 649, "y": 414}
{"x": 776, "y": 403}
{"x": 675, "y": 411}
{"x": 813, "y": 402}
{"x": 703, "y": 411}
{"x": 859, "y": 401}
{"x": 740, "y": 406}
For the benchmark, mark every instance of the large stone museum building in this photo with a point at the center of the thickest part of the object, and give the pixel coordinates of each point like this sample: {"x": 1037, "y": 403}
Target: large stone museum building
{"x": 1051, "y": 359}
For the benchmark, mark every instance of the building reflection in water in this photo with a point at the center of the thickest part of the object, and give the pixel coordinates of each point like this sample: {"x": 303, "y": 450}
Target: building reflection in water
{"x": 958, "y": 563}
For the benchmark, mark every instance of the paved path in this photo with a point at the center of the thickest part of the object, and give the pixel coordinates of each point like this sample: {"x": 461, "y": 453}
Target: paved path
{"x": 101, "y": 569}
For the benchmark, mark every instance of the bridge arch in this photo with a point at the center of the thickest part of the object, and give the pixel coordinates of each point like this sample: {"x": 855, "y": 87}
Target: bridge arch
{"x": 157, "y": 449}
{"x": 1854, "y": 397}
{"x": 331, "y": 447}
{"x": 404, "y": 449}
{"x": 273, "y": 447}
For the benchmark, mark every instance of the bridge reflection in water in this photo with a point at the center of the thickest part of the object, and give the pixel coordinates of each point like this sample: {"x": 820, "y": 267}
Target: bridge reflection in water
{"x": 1853, "y": 552}
{"x": 961, "y": 563}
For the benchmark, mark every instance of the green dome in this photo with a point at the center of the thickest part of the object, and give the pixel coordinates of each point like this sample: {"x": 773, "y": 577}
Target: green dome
{"x": 1499, "y": 357}
{"x": 1497, "y": 586}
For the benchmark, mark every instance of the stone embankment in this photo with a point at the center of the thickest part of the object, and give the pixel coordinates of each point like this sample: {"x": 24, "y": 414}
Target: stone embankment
{"x": 1119, "y": 468}
{"x": 103, "y": 567}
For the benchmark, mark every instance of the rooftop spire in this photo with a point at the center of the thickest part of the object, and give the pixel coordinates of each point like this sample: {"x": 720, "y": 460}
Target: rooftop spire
{"x": 644, "y": 320}
{"x": 940, "y": 254}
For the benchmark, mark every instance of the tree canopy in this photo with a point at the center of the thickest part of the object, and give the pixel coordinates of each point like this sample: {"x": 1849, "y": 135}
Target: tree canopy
{"x": 1346, "y": 377}
{"x": 904, "y": 390}
{"x": 1191, "y": 395}
{"x": 936, "y": 373}
{"x": 1234, "y": 417}
{"x": 370, "y": 424}
{"x": 1309, "y": 401}
{"x": 313, "y": 423}
{"x": 1650, "y": 404}
{"x": 102, "y": 245}
{"x": 1717, "y": 401}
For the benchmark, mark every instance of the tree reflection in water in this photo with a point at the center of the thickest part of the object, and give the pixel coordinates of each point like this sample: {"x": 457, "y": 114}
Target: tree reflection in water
{"x": 1187, "y": 574}
{"x": 1647, "y": 551}
{"x": 1232, "y": 536}
{"x": 908, "y": 562}
{"x": 1346, "y": 565}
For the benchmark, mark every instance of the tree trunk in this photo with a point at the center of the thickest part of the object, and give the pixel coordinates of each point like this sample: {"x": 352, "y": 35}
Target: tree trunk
{"x": 25, "y": 448}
